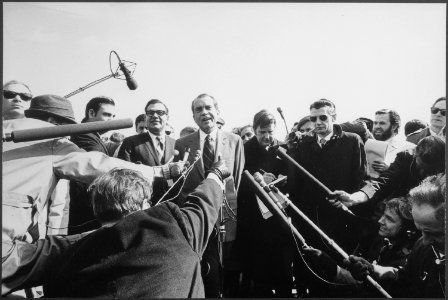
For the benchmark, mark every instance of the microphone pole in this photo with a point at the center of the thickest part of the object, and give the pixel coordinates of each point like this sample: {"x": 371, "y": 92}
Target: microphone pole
{"x": 282, "y": 153}
{"x": 280, "y": 111}
{"x": 270, "y": 204}
{"x": 327, "y": 239}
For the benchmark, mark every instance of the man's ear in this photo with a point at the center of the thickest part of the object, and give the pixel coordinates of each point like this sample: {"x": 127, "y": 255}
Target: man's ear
{"x": 333, "y": 117}
{"x": 395, "y": 128}
{"x": 91, "y": 113}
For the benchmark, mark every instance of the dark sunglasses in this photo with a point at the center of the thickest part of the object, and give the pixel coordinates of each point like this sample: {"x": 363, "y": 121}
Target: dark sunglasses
{"x": 435, "y": 110}
{"x": 155, "y": 112}
{"x": 321, "y": 117}
{"x": 10, "y": 94}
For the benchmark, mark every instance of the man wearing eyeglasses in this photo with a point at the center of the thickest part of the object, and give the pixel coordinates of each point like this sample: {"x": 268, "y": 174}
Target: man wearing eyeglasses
{"x": 437, "y": 122}
{"x": 16, "y": 99}
{"x": 337, "y": 159}
{"x": 153, "y": 148}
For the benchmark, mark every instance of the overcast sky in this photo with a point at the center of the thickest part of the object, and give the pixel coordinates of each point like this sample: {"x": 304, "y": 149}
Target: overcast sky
{"x": 249, "y": 56}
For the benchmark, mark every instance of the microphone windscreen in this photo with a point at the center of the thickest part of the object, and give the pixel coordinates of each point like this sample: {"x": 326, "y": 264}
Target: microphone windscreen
{"x": 186, "y": 154}
{"x": 279, "y": 109}
{"x": 34, "y": 134}
{"x": 258, "y": 177}
{"x": 132, "y": 83}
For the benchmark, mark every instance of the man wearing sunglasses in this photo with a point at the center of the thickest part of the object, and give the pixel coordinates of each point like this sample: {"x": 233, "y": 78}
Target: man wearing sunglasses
{"x": 16, "y": 99}
{"x": 337, "y": 159}
{"x": 437, "y": 122}
{"x": 153, "y": 148}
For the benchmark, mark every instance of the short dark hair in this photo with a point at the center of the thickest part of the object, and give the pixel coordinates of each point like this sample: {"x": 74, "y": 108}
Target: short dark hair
{"x": 118, "y": 193}
{"x": 438, "y": 100}
{"x": 394, "y": 117}
{"x": 263, "y": 118}
{"x": 154, "y": 101}
{"x": 431, "y": 191}
{"x": 95, "y": 104}
{"x": 402, "y": 207}
{"x": 140, "y": 118}
{"x": 322, "y": 103}
{"x": 431, "y": 151}
{"x": 414, "y": 125}
{"x": 215, "y": 103}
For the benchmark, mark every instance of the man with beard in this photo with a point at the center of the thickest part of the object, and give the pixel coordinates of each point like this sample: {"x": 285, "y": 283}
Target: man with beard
{"x": 262, "y": 242}
{"x": 385, "y": 128}
{"x": 153, "y": 148}
{"x": 437, "y": 122}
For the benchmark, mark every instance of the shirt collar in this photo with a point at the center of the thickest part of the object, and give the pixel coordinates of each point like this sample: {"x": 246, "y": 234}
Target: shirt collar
{"x": 213, "y": 134}
{"x": 154, "y": 137}
{"x": 327, "y": 138}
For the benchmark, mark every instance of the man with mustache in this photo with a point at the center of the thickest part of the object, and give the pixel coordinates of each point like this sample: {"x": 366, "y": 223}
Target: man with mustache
{"x": 437, "y": 122}
{"x": 213, "y": 142}
{"x": 385, "y": 128}
{"x": 153, "y": 148}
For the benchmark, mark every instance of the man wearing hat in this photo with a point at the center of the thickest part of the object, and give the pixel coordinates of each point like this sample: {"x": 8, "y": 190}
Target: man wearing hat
{"x": 32, "y": 169}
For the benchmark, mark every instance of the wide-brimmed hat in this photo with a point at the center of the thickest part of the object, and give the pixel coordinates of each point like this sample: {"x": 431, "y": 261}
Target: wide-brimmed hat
{"x": 51, "y": 105}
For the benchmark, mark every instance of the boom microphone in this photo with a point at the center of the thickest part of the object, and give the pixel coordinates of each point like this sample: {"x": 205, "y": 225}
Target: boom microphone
{"x": 42, "y": 133}
{"x": 259, "y": 178}
{"x": 280, "y": 111}
{"x": 130, "y": 81}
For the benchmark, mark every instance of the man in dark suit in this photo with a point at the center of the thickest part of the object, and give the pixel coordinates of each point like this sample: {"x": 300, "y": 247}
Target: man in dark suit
{"x": 437, "y": 122}
{"x": 213, "y": 143}
{"x": 81, "y": 216}
{"x": 153, "y": 148}
{"x": 263, "y": 244}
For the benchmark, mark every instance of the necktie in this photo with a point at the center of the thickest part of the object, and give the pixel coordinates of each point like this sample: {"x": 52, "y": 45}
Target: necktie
{"x": 208, "y": 154}
{"x": 322, "y": 142}
{"x": 160, "y": 148}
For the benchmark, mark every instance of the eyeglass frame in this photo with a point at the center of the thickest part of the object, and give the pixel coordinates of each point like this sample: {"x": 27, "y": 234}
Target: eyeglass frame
{"x": 323, "y": 118}
{"x": 159, "y": 113}
{"x": 435, "y": 110}
{"x": 12, "y": 95}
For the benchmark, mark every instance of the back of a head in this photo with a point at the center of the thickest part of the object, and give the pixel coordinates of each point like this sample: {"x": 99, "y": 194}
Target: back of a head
{"x": 118, "y": 193}
{"x": 187, "y": 130}
{"x": 117, "y": 137}
{"x": 356, "y": 127}
{"x": 262, "y": 119}
{"x": 414, "y": 125}
{"x": 431, "y": 150}
{"x": 431, "y": 191}
{"x": 367, "y": 121}
{"x": 44, "y": 106}
{"x": 140, "y": 118}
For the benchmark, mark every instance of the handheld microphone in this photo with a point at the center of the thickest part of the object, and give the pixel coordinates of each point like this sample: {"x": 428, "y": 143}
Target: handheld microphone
{"x": 130, "y": 81}
{"x": 186, "y": 154}
{"x": 259, "y": 178}
{"x": 27, "y": 135}
{"x": 280, "y": 111}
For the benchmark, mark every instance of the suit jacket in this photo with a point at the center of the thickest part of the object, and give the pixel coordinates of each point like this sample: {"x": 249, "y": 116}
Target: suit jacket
{"x": 229, "y": 145}
{"x": 418, "y": 135}
{"x": 90, "y": 142}
{"x": 154, "y": 253}
{"x": 140, "y": 149}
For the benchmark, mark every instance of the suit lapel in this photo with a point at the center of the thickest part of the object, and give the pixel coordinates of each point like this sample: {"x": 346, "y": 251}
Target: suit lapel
{"x": 196, "y": 145}
{"x": 221, "y": 144}
{"x": 151, "y": 149}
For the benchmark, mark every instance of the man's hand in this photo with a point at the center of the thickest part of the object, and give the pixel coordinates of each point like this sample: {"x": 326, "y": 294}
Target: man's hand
{"x": 358, "y": 267}
{"x": 379, "y": 166}
{"x": 320, "y": 262}
{"x": 268, "y": 177}
{"x": 176, "y": 168}
{"x": 219, "y": 169}
{"x": 339, "y": 198}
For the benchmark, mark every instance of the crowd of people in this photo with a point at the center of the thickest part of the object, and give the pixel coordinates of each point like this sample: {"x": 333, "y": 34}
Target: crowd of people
{"x": 99, "y": 214}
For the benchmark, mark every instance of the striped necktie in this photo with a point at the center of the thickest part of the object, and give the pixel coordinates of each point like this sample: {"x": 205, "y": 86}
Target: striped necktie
{"x": 160, "y": 148}
{"x": 208, "y": 154}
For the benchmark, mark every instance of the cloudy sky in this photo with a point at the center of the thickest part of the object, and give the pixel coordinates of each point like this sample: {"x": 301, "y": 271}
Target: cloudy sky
{"x": 249, "y": 56}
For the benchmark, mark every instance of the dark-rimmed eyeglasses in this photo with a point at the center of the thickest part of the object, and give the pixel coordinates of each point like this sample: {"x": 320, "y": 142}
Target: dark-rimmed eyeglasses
{"x": 435, "y": 110}
{"x": 10, "y": 95}
{"x": 323, "y": 118}
{"x": 151, "y": 113}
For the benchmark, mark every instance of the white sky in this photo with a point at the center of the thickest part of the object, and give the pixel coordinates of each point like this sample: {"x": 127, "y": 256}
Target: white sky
{"x": 249, "y": 56}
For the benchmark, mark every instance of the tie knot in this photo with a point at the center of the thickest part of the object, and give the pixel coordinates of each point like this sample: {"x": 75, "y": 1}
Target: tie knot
{"x": 208, "y": 138}
{"x": 323, "y": 141}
